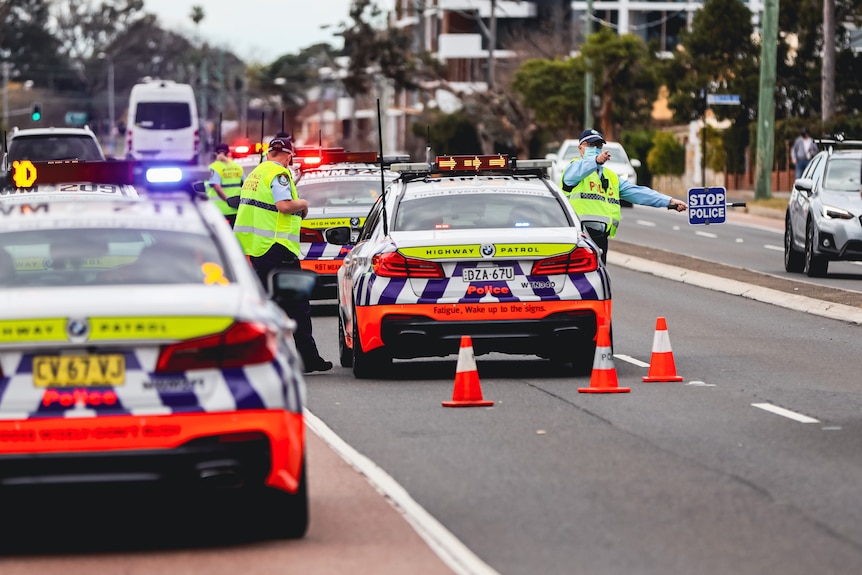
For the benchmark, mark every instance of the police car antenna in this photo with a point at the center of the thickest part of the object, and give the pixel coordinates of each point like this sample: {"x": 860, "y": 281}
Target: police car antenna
{"x": 382, "y": 177}
{"x": 260, "y": 161}
{"x": 428, "y": 145}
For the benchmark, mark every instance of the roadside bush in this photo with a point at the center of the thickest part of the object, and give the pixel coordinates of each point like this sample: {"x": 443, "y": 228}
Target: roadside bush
{"x": 667, "y": 156}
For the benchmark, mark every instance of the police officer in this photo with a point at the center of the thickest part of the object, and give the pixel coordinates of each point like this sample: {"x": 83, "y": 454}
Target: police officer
{"x": 224, "y": 184}
{"x": 595, "y": 191}
{"x": 267, "y": 226}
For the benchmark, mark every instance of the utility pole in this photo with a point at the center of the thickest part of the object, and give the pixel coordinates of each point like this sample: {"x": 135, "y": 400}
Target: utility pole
{"x": 6, "y": 67}
{"x": 492, "y": 43}
{"x": 766, "y": 105}
{"x": 588, "y": 75}
{"x": 827, "y": 73}
{"x": 111, "y": 118}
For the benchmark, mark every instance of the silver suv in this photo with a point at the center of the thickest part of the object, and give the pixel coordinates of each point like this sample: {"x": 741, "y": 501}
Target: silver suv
{"x": 43, "y": 144}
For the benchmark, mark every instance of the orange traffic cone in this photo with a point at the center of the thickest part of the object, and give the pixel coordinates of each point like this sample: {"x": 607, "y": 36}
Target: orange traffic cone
{"x": 468, "y": 391}
{"x": 604, "y": 376}
{"x": 661, "y": 364}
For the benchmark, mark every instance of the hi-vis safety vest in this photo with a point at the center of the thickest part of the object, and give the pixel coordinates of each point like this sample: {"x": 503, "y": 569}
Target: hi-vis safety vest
{"x": 590, "y": 201}
{"x": 259, "y": 224}
{"x": 231, "y": 182}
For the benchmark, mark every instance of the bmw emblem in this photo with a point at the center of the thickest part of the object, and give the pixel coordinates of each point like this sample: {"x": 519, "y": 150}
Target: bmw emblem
{"x": 488, "y": 250}
{"x": 78, "y": 329}
{"x": 354, "y": 222}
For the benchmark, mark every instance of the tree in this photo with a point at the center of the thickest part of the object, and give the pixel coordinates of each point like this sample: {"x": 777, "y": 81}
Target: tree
{"x": 30, "y": 47}
{"x": 554, "y": 90}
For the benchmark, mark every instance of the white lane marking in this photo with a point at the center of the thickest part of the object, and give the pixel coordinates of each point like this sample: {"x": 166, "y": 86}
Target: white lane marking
{"x": 630, "y": 359}
{"x": 646, "y": 223}
{"x": 676, "y": 228}
{"x": 706, "y": 234}
{"x": 740, "y": 240}
{"x": 774, "y": 248}
{"x": 785, "y": 412}
{"x": 452, "y": 551}
{"x": 700, "y": 384}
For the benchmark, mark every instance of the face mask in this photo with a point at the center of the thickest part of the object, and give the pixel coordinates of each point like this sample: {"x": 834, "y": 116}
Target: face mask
{"x": 591, "y": 152}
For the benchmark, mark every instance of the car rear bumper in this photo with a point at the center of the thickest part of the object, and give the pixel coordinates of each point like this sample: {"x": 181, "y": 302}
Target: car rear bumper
{"x": 255, "y": 448}
{"x": 530, "y": 328}
{"x": 327, "y": 277}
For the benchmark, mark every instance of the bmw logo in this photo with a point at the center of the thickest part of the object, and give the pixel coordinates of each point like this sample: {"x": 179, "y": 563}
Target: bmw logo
{"x": 488, "y": 250}
{"x": 354, "y": 222}
{"x": 78, "y": 329}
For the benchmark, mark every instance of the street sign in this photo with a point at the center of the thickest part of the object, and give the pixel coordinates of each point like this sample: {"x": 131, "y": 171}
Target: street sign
{"x": 76, "y": 118}
{"x": 722, "y": 99}
{"x": 707, "y": 205}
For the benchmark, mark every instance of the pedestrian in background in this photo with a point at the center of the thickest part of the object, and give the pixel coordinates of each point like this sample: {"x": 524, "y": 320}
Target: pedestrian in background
{"x": 803, "y": 150}
{"x": 267, "y": 226}
{"x": 225, "y": 181}
{"x": 595, "y": 191}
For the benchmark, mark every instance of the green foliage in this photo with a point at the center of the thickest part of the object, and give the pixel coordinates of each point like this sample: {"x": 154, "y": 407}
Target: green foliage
{"x": 667, "y": 156}
{"x": 637, "y": 144}
{"x": 450, "y": 133}
{"x": 554, "y": 91}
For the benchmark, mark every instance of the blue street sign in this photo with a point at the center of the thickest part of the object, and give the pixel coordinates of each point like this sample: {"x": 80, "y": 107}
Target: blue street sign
{"x": 707, "y": 205}
{"x": 725, "y": 99}
{"x": 76, "y": 118}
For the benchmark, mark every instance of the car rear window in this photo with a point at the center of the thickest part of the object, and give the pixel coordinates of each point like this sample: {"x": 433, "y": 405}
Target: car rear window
{"x": 74, "y": 257}
{"x": 55, "y": 147}
{"x": 163, "y": 115}
{"x": 844, "y": 175}
{"x": 461, "y": 209}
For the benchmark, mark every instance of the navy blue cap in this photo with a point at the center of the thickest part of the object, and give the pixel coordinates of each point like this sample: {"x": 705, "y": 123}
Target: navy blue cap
{"x": 222, "y": 148}
{"x": 591, "y": 137}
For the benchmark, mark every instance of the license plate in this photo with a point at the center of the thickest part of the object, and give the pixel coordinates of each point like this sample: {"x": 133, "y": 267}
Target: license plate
{"x": 487, "y": 274}
{"x": 78, "y": 370}
{"x": 327, "y": 267}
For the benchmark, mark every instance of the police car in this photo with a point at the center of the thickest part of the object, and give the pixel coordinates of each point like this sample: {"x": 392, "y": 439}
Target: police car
{"x": 485, "y": 246}
{"x": 138, "y": 347}
{"x": 340, "y": 188}
{"x": 56, "y": 181}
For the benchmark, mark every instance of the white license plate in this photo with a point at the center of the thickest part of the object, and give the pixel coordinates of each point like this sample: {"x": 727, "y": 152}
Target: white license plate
{"x": 487, "y": 274}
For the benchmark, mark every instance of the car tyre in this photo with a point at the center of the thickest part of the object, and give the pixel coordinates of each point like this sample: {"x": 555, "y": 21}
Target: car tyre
{"x": 284, "y": 515}
{"x": 368, "y": 365}
{"x": 794, "y": 261}
{"x": 815, "y": 265}
{"x": 345, "y": 354}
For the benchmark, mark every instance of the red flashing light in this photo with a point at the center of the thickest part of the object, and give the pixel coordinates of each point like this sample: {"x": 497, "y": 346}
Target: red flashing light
{"x": 395, "y": 265}
{"x": 244, "y": 343}
{"x": 310, "y": 236}
{"x": 472, "y": 163}
{"x": 578, "y": 261}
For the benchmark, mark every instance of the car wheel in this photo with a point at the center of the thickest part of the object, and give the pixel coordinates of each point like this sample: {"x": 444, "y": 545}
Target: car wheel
{"x": 345, "y": 354}
{"x": 815, "y": 265}
{"x": 284, "y": 515}
{"x": 367, "y": 365}
{"x": 794, "y": 261}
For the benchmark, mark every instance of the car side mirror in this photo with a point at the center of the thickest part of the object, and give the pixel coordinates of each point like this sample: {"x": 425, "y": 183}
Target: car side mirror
{"x": 636, "y": 163}
{"x": 340, "y": 236}
{"x": 288, "y": 285}
{"x": 805, "y": 185}
{"x": 596, "y": 230}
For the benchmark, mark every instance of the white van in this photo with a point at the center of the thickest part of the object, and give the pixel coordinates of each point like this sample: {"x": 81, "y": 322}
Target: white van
{"x": 163, "y": 123}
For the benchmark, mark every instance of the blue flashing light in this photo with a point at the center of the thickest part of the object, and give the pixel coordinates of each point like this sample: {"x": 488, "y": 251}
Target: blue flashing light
{"x": 165, "y": 175}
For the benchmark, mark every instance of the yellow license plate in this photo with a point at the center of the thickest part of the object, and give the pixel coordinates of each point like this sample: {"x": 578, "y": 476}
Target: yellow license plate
{"x": 79, "y": 370}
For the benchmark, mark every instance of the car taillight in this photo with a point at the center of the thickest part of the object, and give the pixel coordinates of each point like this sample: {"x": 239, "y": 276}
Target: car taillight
{"x": 243, "y": 343}
{"x": 308, "y": 235}
{"x": 577, "y": 261}
{"x": 129, "y": 142}
{"x": 395, "y": 265}
{"x": 242, "y": 149}
{"x": 197, "y": 140}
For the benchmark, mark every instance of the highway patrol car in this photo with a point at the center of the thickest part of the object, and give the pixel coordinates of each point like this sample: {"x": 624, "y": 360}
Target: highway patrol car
{"x": 19, "y": 184}
{"x": 137, "y": 346}
{"x": 340, "y": 188}
{"x": 484, "y": 246}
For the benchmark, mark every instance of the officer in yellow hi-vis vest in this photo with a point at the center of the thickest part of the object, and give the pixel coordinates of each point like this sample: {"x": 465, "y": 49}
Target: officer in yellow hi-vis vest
{"x": 595, "y": 191}
{"x": 267, "y": 226}
{"x": 225, "y": 182}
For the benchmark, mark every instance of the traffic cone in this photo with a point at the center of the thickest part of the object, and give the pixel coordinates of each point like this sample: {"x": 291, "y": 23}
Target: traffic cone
{"x": 661, "y": 364}
{"x": 468, "y": 391}
{"x": 604, "y": 376}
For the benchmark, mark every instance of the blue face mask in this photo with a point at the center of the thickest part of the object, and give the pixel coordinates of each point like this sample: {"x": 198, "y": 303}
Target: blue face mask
{"x": 591, "y": 152}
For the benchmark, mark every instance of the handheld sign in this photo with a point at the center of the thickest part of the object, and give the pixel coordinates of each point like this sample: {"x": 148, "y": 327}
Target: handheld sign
{"x": 707, "y": 206}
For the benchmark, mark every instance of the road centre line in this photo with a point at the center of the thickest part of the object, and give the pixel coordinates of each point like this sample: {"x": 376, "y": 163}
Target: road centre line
{"x": 630, "y": 359}
{"x": 706, "y": 234}
{"x": 774, "y": 248}
{"x": 785, "y": 412}
{"x": 449, "y": 548}
{"x": 646, "y": 223}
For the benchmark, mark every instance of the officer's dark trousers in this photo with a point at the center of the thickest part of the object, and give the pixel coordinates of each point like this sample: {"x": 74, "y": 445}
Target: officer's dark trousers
{"x": 279, "y": 257}
{"x": 601, "y": 240}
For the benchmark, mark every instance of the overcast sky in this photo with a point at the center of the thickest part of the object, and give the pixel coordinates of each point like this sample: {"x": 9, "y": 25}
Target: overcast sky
{"x": 258, "y": 30}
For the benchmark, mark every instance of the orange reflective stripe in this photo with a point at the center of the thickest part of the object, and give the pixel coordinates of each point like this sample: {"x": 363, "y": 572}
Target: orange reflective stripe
{"x": 369, "y": 318}
{"x": 286, "y": 433}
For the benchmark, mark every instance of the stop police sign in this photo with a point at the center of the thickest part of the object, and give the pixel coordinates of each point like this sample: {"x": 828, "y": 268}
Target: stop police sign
{"x": 707, "y": 205}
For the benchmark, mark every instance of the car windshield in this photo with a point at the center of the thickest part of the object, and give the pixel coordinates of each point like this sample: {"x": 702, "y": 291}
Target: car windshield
{"x": 844, "y": 175}
{"x": 54, "y": 147}
{"x": 461, "y": 209}
{"x": 73, "y": 257}
{"x": 339, "y": 192}
{"x": 163, "y": 115}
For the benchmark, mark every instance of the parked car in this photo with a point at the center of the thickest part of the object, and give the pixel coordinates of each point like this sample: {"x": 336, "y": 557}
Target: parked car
{"x": 619, "y": 162}
{"x": 44, "y": 144}
{"x": 163, "y": 123}
{"x": 822, "y": 222}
